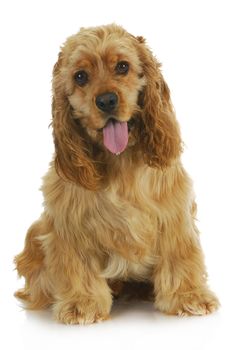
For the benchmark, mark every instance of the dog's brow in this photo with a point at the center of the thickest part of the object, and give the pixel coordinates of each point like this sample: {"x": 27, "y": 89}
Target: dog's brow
{"x": 84, "y": 63}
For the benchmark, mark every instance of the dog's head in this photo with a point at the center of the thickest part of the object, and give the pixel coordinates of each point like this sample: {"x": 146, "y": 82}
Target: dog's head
{"x": 109, "y": 95}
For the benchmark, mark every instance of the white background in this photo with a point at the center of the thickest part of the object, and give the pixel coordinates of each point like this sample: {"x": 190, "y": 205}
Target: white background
{"x": 199, "y": 44}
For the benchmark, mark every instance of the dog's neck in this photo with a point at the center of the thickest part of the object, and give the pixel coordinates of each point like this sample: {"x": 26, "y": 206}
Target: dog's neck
{"x": 119, "y": 166}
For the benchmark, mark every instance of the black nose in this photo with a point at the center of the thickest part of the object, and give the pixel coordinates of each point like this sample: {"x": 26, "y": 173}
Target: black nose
{"x": 107, "y": 102}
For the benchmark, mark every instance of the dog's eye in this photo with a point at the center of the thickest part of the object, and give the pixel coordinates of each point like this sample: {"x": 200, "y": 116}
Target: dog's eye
{"x": 81, "y": 77}
{"x": 122, "y": 67}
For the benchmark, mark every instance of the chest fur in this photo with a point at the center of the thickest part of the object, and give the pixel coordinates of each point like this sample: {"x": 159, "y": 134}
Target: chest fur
{"x": 122, "y": 221}
{"x": 132, "y": 218}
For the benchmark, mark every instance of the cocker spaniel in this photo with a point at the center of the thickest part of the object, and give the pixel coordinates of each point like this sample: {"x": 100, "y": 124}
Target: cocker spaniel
{"x": 118, "y": 204}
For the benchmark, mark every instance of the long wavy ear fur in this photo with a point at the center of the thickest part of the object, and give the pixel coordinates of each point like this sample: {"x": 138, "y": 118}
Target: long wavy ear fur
{"x": 73, "y": 159}
{"x": 160, "y": 134}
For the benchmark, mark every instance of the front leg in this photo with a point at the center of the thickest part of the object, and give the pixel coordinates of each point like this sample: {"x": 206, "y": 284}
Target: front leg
{"x": 80, "y": 295}
{"x": 180, "y": 275}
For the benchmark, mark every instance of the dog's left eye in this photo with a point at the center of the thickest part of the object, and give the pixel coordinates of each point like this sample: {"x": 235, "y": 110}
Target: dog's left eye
{"x": 81, "y": 77}
{"x": 122, "y": 67}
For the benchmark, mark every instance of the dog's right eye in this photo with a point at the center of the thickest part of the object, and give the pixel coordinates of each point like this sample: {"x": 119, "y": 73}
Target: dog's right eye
{"x": 81, "y": 77}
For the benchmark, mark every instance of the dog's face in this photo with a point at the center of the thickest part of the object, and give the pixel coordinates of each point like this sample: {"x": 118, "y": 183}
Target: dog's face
{"x": 103, "y": 76}
{"x": 108, "y": 95}
{"x": 106, "y": 85}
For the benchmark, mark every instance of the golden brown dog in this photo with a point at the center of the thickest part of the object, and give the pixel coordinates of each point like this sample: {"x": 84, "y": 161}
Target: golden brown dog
{"x": 119, "y": 205}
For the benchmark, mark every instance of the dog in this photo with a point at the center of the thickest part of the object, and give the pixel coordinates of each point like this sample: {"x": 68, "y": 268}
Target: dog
{"x": 118, "y": 203}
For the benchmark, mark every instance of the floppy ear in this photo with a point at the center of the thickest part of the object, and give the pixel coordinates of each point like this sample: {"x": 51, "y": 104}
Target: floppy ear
{"x": 160, "y": 135}
{"x": 73, "y": 158}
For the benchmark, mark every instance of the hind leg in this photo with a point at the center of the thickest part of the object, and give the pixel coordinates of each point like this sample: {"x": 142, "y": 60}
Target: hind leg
{"x": 57, "y": 274}
{"x": 30, "y": 264}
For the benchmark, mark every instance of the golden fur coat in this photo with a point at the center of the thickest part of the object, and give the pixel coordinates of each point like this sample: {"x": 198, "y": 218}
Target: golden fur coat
{"x": 111, "y": 218}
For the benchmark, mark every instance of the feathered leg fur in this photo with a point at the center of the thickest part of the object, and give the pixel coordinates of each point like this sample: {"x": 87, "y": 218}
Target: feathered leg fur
{"x": 55, "y": 274}
{"x": 180, "y": 276}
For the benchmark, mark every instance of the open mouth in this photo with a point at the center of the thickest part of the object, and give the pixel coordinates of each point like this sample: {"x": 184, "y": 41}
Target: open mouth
{"x": 130, "y": 123}
{"x": 116, "y": 135}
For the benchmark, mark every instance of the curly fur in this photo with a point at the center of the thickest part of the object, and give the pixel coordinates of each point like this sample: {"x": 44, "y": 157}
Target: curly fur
{"x": 109, "y": 219}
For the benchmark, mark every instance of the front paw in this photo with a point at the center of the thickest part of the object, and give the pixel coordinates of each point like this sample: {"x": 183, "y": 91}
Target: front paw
{"x": 84, "y": 310}
{"x": 197, "y": 303}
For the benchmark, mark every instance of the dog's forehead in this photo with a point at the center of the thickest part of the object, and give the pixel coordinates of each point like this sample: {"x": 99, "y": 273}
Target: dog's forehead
{"x": 109, "y": 50}
{"x": 107, "y": 57}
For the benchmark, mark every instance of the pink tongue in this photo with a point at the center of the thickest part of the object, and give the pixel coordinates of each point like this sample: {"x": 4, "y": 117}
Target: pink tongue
{"x": 115, "y": 136}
